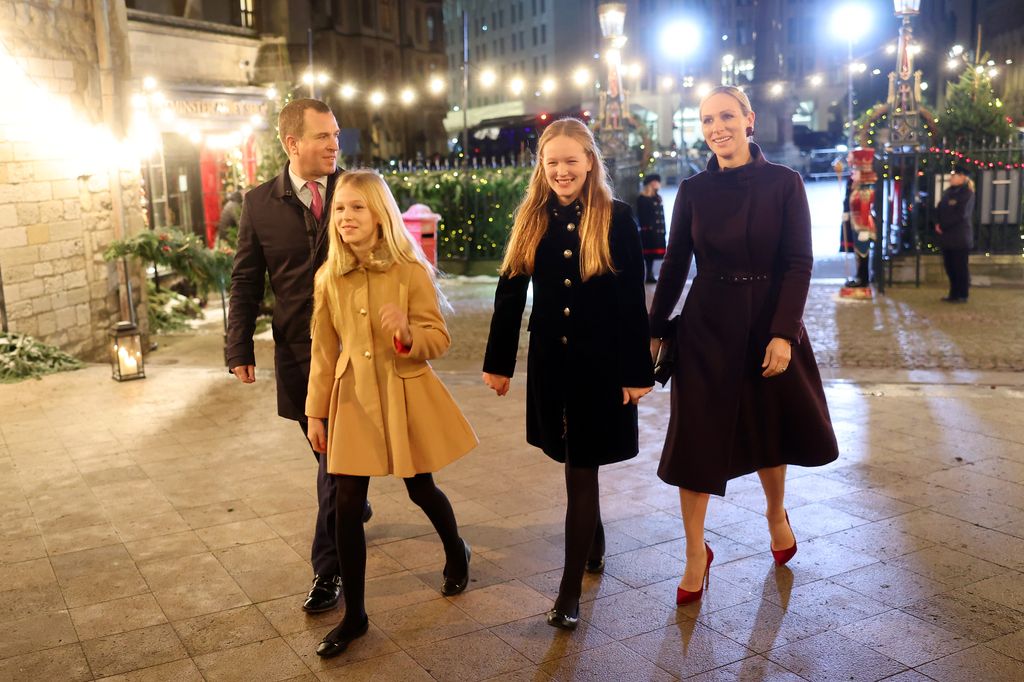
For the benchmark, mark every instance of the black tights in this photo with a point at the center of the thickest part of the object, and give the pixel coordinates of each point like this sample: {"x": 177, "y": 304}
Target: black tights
{"x": 351, "y": 496}
{"x": 584, "y": 534}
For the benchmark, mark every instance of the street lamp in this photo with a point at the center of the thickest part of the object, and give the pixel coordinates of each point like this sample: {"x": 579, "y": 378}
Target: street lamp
{"x": 850, "y": 21}
{"x": 904, "y": 83}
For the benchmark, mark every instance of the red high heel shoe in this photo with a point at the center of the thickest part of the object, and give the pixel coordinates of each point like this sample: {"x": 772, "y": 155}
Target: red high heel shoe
{"x": 687, "y": 597}
{"x": 784, "y": 555}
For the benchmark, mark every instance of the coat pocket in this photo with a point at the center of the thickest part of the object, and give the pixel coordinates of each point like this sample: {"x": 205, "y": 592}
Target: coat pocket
{"x": 341, "y": 365}
{"x": 408, "y": 368}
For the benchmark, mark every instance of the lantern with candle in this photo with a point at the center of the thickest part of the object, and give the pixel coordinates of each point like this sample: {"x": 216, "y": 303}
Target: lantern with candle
{"x": 126, "y": 352}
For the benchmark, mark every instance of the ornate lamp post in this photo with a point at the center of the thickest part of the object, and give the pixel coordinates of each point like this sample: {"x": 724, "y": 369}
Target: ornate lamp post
{"x": 905, "y": 83}
{"x": 611, "y": 133}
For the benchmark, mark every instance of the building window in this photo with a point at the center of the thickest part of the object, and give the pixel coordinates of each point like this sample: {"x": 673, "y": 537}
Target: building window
{"x": 501, "y": 46}
{"x": 368, "y": 11}
{"x": 542, "y": 9}
{"x": 535, "y": 36}
{"x": 534, "y": 7}
{"x": 248, "y": 19}
{"x": 543, "y": 34}
{"x": 544, "y": 63}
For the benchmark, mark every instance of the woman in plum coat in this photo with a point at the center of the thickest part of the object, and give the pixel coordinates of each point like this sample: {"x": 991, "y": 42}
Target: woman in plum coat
{"x": 746, "y": 393}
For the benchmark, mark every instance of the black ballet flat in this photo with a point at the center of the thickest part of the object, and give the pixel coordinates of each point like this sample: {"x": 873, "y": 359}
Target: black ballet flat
{"x": 450, "y": 588}
{"x": 564, "y": 621}
{"x": 334, "y": 644}
{"x": 595, "y": 565}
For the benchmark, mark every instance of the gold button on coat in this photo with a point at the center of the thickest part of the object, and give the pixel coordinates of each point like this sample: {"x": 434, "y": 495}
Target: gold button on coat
{"x": 366, "y": 354}
{"x": 565, "y": 341}
{"x": 566, "y": 312}
{"x": 568, "y": 282}
{"x": 362, "y": 311}
{"x": 567, "y": 253}
{"x": 571, "y": 226}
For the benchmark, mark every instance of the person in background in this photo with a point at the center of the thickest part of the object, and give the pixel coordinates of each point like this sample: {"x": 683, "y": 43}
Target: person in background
{"x": 230, "y": 214}
{"x": 650, "y": 214}
{"x": 956, "y": 232}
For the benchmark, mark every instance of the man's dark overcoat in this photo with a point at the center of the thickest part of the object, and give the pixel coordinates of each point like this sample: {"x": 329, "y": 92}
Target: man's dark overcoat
{"x": 750, "y": 230}
{"x": 278, "y": 235}
{"x": 588, "y": 340}
{"x": 954, "y": 215}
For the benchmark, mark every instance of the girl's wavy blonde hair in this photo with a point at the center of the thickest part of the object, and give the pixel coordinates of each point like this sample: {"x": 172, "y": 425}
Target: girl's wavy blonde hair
{"x": 531, "y": 219}
{"x": 391, "y": 228}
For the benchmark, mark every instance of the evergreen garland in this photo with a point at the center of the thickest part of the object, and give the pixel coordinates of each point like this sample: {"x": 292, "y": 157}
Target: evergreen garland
{"x": 23, "y": 356}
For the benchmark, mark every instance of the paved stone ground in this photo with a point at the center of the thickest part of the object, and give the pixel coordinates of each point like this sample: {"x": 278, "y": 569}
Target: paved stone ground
{"x": 159, "y": 529}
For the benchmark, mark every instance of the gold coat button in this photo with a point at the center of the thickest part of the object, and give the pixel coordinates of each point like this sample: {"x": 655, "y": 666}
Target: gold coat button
{"x": 366, "y": 354}
{"x": 565, "y": 341}
{"x": 362, "y": 311}
{"x": 567, "y": 253}
{"x": 568, "y": 283}
{"x": 566, "y": 312}
{"x": 571, "y": 226}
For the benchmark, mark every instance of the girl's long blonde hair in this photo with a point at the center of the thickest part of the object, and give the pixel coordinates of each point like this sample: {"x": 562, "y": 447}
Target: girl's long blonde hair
{"x": 384, "y": 209}
{"x": 531, "y": 221}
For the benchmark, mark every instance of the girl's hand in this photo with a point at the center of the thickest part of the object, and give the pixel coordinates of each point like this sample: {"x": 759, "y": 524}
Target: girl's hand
{"x": 317, "y": 434}
{"x": 396, "y": 323}
{"x": 497, "y": 383}
{"x": 938, "y": 228}
{"x": 776, "y": 357}
{"x": 633, "y": 395}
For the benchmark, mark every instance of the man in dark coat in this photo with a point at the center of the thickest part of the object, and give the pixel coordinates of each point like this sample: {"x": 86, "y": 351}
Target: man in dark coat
{"x": 283, "y": 232}
{"x": 650, "y": 214}
{"x": 956, "y": 233}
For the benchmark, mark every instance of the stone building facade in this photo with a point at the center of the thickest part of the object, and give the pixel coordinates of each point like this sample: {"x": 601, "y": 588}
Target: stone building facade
{"x": 65, "y": 189}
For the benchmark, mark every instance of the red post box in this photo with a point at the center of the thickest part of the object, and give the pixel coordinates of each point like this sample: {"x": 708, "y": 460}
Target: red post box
{"x": 422, "y": 225}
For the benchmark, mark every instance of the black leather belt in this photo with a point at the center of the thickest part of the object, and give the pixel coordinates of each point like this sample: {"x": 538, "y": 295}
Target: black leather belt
{"x": 736, "y": 277}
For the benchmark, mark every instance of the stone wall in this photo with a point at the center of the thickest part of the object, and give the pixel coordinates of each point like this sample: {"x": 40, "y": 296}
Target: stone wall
{"x": 62, "y": 197}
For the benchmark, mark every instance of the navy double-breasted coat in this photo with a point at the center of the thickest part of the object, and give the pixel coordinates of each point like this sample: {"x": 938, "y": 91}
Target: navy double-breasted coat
{"x": 588, "y": 340}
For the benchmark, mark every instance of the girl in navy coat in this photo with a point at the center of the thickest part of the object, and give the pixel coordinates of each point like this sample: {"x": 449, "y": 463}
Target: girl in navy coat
{"x": 588, "y": 361}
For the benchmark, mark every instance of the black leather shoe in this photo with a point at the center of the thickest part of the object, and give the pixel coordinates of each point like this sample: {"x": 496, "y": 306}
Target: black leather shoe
{"x": 367, "y": 512}
{"x": 564, "y": 621}
{"x": 323, "y": 596}
{"x": 595, "y": 565}
{"x": 450, "y": 587}
{"x": 336, "y": 642}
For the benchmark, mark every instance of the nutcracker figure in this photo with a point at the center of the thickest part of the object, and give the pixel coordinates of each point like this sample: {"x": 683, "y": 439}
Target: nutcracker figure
{"x": 858, "y": 222}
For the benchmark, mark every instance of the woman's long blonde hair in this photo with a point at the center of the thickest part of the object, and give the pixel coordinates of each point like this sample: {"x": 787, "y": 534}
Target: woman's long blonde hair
{"x": 531, "y": 221}
{"x": 384, "y": 209}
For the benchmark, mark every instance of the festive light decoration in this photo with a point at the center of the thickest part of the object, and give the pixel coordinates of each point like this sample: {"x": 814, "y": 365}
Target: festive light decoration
{"x": 961, "y": 157}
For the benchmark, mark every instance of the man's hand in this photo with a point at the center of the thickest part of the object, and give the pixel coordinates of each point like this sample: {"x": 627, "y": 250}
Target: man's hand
{"x": 497, "y": 383}
{"x": 245, "y": 373}
{"x": 317, "y": 434}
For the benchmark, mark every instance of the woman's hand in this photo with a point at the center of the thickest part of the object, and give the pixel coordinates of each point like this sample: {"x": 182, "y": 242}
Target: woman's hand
{"x": 497, "y": 383}
{"x": 776, "y": 357}
{"x": 655, "y": 350}
{"x": 317, "y": 434}
{"x": 396, "y": 323}
{"x": 633, "y": 395}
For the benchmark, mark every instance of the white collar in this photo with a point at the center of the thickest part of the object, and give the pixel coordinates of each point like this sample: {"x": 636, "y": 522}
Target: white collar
{"x": 298, "y": 183}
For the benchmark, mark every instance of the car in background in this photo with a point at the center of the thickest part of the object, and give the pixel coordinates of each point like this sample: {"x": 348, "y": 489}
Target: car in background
{"x": 821, "y": 163}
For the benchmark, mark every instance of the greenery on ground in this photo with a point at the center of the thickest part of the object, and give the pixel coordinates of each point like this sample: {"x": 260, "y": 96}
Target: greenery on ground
{"x": 22, "y": 357}
{"x": 169, "y": 311}
{"x": 186, "y": 254}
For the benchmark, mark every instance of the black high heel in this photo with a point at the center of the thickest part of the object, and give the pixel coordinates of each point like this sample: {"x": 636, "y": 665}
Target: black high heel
{"x": 334, "y": 644}
{"x": 451, "y": 588}
{"x": 564, "y": 621}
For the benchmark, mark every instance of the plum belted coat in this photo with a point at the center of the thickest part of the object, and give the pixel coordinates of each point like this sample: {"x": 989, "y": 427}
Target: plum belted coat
{"x": 750, "y": 230}
{"x": 387, "y": 412}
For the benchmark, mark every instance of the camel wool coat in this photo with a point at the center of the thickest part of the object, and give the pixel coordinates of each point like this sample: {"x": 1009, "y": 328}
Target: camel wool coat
{"x": 387, "y": 412}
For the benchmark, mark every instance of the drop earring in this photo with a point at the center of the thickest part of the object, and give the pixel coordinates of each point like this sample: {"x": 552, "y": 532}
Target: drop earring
{"x": 750, "y": 131}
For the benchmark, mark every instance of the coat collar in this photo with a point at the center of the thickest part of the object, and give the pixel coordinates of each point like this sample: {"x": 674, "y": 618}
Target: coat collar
{"x": 757, "y": 160}
{"x": 564, "y": 213}
{"x": 381, "y": 259}
{"x": 283, "y": 185}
